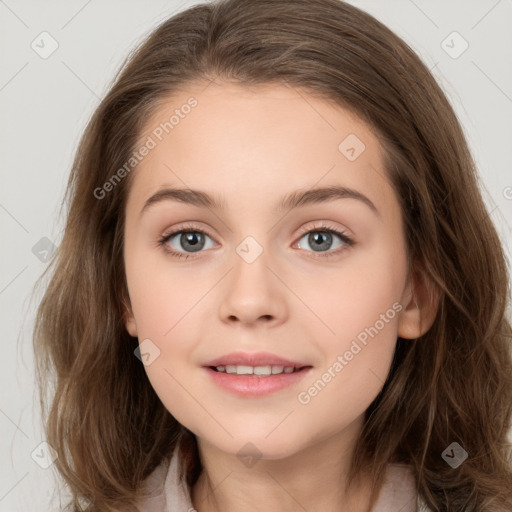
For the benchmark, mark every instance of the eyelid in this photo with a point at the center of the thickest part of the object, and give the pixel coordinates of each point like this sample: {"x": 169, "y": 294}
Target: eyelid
{"x": 186, "y": 226}
{"x": 323, "y": 224}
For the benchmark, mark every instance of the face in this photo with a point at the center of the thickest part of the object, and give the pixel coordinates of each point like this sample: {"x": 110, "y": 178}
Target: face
{"x": 320, "y": 283}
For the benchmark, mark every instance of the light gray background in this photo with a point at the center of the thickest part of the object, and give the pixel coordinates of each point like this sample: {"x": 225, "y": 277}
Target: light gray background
{"x": 46, "y": 102}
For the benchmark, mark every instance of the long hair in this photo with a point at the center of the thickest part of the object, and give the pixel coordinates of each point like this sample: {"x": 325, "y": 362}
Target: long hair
{"x": 453, "y": 384}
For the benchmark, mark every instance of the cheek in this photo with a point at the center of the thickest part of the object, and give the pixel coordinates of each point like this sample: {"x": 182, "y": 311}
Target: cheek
{"x": 358, "y": 309}
{"x": 165, "y": 306}
{"x": 160, "y": 298}
{"x": 357, "y": 357}
{"x": 354, "y": 297}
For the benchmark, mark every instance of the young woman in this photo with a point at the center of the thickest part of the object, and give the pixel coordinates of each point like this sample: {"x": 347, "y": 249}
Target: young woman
{"x": 278, "y": 286}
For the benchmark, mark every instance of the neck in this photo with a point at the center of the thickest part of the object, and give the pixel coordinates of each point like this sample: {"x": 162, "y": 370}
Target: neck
{"x": 314, "y": 478}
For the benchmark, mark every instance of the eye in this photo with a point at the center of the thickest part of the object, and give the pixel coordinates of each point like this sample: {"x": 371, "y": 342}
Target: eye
{"x": 320, "y": 238}
{"x": 189, "y": 238}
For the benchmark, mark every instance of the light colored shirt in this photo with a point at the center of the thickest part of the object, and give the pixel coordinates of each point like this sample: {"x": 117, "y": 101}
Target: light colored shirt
{"x": 169, "y": 493}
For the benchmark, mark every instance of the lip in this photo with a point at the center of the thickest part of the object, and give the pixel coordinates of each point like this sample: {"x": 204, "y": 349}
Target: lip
{"x": 253, "y": 359}
{"x": 255, "y": 385}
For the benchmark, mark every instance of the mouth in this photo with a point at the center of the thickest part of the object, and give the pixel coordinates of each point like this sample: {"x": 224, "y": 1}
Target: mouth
{"x": 257, "y": 371}
{"x": 255, "y": 375}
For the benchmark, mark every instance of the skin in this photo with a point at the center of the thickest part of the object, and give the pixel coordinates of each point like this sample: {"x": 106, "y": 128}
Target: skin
{"x": 251, "y": 147}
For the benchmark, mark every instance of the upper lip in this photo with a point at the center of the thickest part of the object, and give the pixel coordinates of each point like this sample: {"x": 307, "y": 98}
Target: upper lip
{"x": 254, "y": 359}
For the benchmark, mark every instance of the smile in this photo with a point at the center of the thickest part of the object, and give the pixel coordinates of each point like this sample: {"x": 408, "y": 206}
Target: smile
{"x": 258, "y": 371}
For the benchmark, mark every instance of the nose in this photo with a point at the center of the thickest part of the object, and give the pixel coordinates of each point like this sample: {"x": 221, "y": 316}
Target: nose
{"x": 253, "y": 293}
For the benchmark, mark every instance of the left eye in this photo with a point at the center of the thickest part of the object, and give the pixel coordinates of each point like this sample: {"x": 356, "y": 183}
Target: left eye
{"x": 321, "y": 240}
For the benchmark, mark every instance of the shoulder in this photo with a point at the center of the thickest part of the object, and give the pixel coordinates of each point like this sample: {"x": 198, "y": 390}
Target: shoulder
{"x": 399, "y": 491}
{"x": 166, "y": 490}
{"x": 154, "y": 490}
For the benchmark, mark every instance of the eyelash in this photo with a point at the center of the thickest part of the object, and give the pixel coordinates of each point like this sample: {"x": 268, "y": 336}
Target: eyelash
{"x": 190, "y": 228}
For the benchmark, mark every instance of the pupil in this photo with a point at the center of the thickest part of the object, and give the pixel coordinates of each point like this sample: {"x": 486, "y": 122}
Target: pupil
{"x": 193, "y": 240}
{"x": 317, "y": 239}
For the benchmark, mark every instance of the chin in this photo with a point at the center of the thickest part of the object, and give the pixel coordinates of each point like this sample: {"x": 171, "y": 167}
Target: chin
{"x": 258, "y": 446}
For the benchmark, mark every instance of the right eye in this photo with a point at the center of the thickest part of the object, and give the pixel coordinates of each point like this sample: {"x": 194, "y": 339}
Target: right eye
{"x": 184, "y": 242}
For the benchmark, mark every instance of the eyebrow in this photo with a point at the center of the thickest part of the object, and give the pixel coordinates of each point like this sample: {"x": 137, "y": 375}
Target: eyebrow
{"x": 293, "y": 200}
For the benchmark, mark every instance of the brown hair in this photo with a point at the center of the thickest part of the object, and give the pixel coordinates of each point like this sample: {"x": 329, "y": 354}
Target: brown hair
{"x": 454, "y": 384}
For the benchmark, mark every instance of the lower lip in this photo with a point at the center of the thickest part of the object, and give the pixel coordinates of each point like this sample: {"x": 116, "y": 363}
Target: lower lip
{"x": 253, "y": 385}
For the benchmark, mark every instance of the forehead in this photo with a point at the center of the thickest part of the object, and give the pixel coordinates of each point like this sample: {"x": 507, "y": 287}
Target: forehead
{"x": 248, "y": 144}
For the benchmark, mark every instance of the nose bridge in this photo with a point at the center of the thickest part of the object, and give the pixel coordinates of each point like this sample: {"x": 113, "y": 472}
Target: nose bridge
{"x": 251, "y": 261}
{"x": 252, "y": 289}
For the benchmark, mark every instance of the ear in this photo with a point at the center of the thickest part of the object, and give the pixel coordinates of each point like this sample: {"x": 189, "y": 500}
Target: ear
{"x": 129, "y": 319}
{"x": 420, "y": 301}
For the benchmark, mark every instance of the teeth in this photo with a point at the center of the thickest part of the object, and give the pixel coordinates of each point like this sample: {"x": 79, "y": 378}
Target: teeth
{"x": 255, "y": 370}
{"x": 244, "y": 370}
